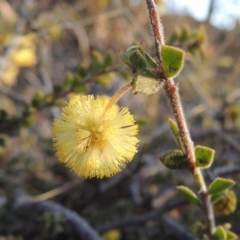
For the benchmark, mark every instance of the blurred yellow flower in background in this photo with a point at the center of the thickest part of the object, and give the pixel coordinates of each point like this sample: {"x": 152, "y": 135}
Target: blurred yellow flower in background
{"x": 93, "y": 141}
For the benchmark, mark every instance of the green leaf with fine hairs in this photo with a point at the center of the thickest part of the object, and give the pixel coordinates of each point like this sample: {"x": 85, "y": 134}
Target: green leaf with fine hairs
{"x": 176, "y": 134}
{"x": 204, "y": 156}
{"x": 133, "y": 49}
{"x": 145, "y": 82}
{"x": 124, "y": 58}
{"x": 137, "y": 59}
{"x": 189, "y": 195}
{"x": 174, "y": 159}
{"x": 173, "y": 60}
{"x": 220, "y": 185}
{"x": 150, "y": 61}
{"x": 220, "y": 233}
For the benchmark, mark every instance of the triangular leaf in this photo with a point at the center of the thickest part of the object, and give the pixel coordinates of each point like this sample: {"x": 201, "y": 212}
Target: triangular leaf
{"x": 189, "y": 195}
{"x": 173, "y": 60}
{"x": 220, "y": 185}
{"x": 204, "y": 156}
{"x": 174, "y": 159}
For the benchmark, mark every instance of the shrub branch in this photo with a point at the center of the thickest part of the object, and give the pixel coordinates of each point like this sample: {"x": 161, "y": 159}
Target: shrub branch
{"x": 173, "y": 96}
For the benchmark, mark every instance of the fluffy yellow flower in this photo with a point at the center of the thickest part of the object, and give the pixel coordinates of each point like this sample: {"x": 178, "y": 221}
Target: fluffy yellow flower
{"x": 92, "y": 141}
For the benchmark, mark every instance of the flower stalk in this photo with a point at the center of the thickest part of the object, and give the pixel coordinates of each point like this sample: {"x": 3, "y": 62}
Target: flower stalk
{"x": 116, "y": 96}
{"x": 173, "y": 96}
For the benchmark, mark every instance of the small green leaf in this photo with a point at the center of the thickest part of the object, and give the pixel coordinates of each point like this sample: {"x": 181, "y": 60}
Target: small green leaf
{"x": 220, "y": 185}
{"x": 216, "y": 197}
{"x": 133, "y": 49}
{"x": 151, "y": 62}
{"x": 68, "y": 80}
{"x": 124, "y": 58}
{"x": 57, "y": 89}
{"x": 146, "y": 82}
{"x": 137, "y": 59}
{"x": 82, "y": 72}
{"x": 80, "y": 88}
{"x": 204, "y": 156}
{"x": 189, "y": 195}
{"x": 125, "y": 75}
{"x": 173, "y": 60}
{"x": 220, "y": 233}
{"x": 142, "y": 121}
{"x": 105, "y": 79}
{"x": 231, "y": 235}
{"x": 37, "y": 99}
{"x": 176, "y": 134}
{"x": 108, "y": 60}
{"x": 174, "y": 159}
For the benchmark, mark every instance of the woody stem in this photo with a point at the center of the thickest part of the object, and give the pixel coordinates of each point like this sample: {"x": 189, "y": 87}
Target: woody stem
{"x": 173, "y": 96}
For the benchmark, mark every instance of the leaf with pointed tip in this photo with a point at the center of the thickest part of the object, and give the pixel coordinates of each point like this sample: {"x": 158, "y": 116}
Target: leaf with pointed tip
{"x": 189, "y": 195}
{"x": 176, "y": 134}
{"x": 220, "y": 185}
{"x": 174, "y": 159}
{"x": 204, "y": 156}
{"x": 173, "y": 60}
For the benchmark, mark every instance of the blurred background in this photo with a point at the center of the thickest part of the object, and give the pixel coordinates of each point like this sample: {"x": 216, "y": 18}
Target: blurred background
{"x": 51, "y": 49}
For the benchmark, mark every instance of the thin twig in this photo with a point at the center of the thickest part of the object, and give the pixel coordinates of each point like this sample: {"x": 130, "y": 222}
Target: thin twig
{"x": 82, "y": 228}
{"x": 55, "y": 192}
{"x": 143, "y": 218}
{"x": 172, "y": 93}
{"x": 176, "y": 229}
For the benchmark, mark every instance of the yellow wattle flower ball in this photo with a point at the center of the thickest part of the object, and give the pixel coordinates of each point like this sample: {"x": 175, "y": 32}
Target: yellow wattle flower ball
{"x": 94, "y": 142}
{"x": 24, "y": 57}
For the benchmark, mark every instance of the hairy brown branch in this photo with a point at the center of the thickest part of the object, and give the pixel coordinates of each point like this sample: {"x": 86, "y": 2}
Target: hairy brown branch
{"x": 175, "y": 102}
